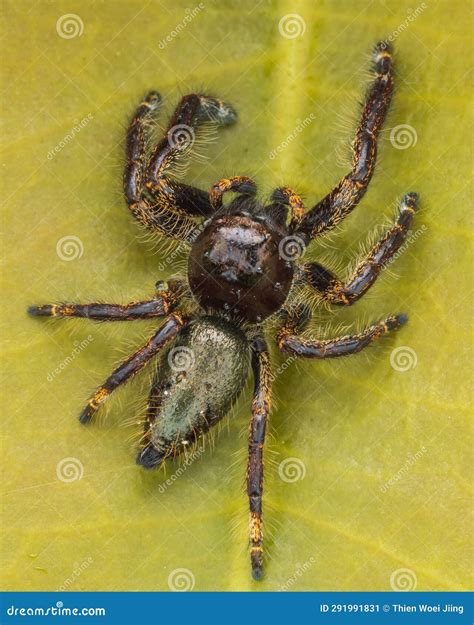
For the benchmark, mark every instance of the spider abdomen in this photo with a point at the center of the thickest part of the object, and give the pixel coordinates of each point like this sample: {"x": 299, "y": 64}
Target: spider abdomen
{"x": 235, "y": 268}
{"x": 197, "y": 382}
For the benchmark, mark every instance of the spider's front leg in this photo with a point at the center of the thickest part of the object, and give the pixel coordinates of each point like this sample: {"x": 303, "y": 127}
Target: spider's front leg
{"x": 158, "y": 201}
{"x": 347, "y": 194}
{"x": 260, "y": 410}
{"x": 135, "y": 147}
{"x": 192, "y": 111}
{"x": 337, "y": 292}
{"x": 289, "y": 341}
{"x": 159, "y": 219}
{"x": 167, "y": 297}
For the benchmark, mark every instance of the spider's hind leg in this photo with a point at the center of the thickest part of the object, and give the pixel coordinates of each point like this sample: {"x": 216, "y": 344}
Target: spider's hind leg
{"x": 132, "y": 365}
{"x": 337, "y": 292}
{"x": 260, "y": 409}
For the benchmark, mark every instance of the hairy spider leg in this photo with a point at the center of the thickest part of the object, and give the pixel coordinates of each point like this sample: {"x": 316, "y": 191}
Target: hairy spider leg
{"x": 133, "y": 364}
{"x": 347, "y": 194}
{"x": 164, "y": 302}
{"x": 135, "y": 147}
{"x": 346, "y": 293}
{"x": 290, "y": 342}
{"x": 173, "y": 205}
{"x": 143, "y": 209}
{"x": 261, "y": 405}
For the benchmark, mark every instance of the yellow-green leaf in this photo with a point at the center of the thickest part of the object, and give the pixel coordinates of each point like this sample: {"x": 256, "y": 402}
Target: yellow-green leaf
{"x": 368, "y": 461}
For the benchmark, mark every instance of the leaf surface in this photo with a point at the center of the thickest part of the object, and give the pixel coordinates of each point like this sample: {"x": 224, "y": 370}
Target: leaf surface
{"x": 384, "y": 454}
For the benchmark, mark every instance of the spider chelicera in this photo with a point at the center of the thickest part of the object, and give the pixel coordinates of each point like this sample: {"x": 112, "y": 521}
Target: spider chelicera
{"x": 242, "y": 270}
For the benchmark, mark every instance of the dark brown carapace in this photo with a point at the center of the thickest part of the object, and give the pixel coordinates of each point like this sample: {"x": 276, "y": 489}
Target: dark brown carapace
{"x": 244, "y": 266}
{"x": 235, "y": 266}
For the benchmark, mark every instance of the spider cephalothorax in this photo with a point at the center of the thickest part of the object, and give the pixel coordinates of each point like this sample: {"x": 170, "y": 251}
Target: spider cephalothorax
{"x": 235, "y": 265}
{"x": 241, "y": 271}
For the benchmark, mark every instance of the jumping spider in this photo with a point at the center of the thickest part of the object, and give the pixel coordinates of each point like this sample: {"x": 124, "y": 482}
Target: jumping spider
{"x": 239, "y": 275}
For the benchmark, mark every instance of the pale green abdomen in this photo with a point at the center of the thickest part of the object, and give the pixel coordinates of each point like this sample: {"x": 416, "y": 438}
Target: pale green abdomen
{"x": 198, "y": 380}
